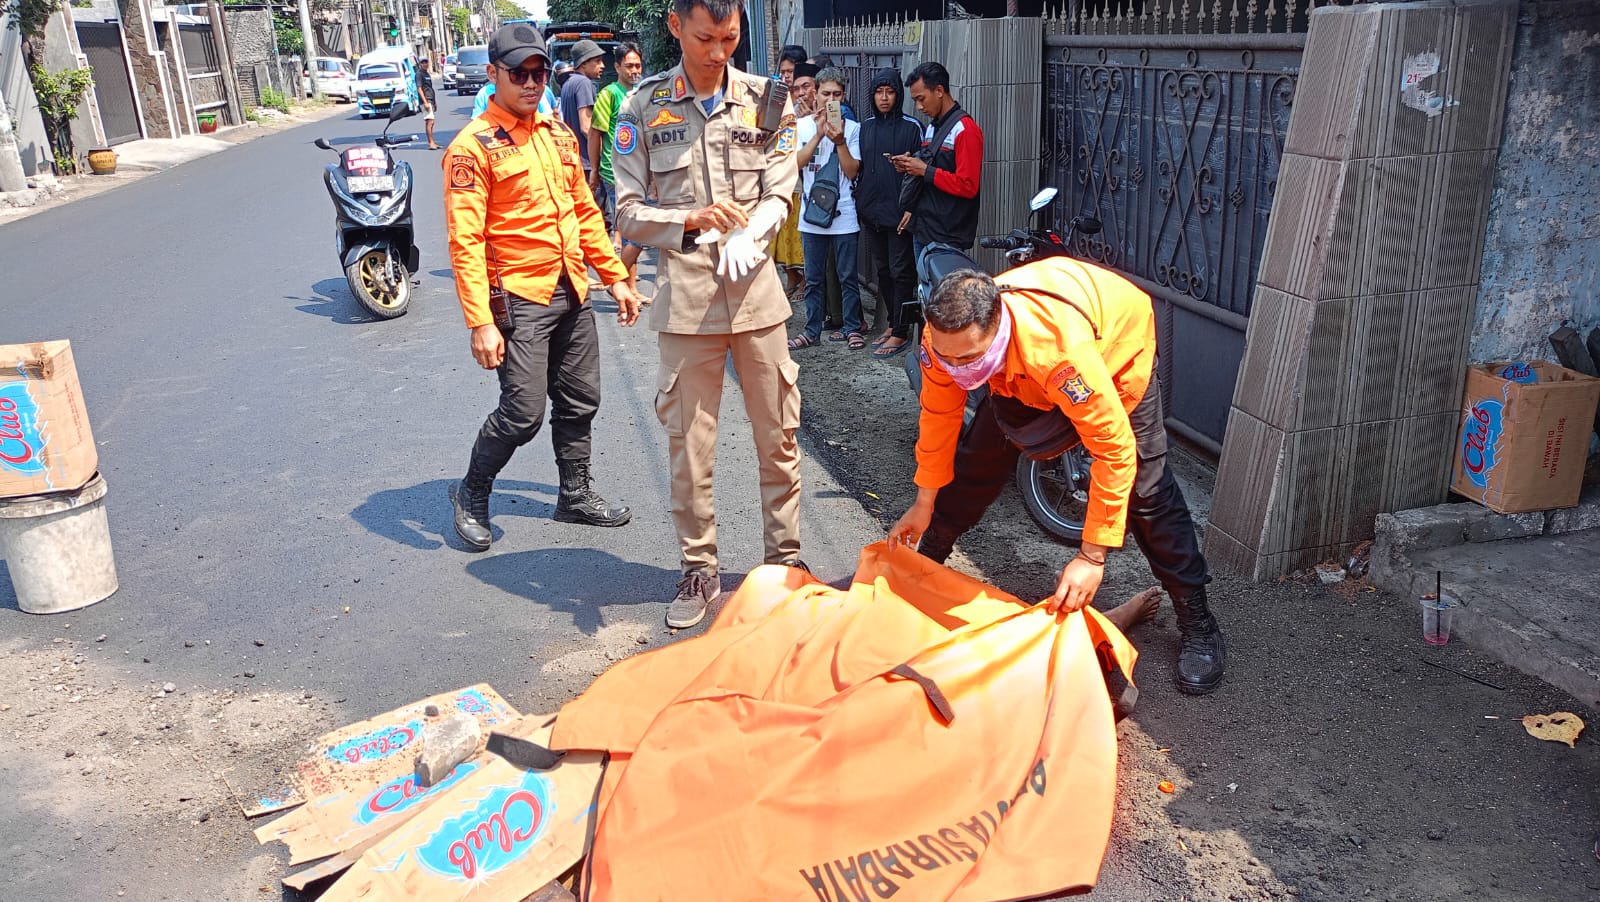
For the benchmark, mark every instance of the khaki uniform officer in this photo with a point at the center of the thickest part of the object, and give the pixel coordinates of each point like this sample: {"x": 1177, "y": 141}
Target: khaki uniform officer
{"x": 720, "y": 157}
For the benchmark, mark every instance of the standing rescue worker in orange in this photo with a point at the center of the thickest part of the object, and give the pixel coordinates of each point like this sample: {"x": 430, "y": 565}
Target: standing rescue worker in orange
{"x": 523, "y": 226}
{"x": 1067, "y": 350}
{"x": 718, "y": 146}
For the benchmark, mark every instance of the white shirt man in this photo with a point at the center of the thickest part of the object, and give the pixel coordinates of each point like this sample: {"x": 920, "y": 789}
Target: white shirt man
{"x": 823, "y": 144}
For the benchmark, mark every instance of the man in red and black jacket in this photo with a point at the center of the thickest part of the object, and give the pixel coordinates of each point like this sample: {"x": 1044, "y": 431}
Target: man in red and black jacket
{"x": 942, "y": 203}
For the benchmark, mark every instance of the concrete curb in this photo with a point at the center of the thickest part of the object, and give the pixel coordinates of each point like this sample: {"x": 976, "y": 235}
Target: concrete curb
{"x": 1401, "y": 534}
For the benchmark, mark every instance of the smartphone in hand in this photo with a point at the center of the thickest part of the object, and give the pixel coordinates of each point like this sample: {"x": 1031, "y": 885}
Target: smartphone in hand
{"x": 835, "y": 114}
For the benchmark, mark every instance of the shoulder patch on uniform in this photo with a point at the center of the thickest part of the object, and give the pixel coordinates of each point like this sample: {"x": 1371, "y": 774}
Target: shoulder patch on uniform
{"x": 1070, "y": 383}
{"x": 923, "y": 358}
{"x": 664, "y": 118}
{"x": 786, "y": 140}
{"x": 680, "y": 87}
{"x": 463, "y": 172}
{"x": 627, "y": 138}
{"x": 661, "y": 94}
{"x": 787, "y": 121}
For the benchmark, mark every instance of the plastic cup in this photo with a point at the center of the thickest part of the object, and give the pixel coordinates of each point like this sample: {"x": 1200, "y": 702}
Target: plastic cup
{"x": 1437, "y": 613}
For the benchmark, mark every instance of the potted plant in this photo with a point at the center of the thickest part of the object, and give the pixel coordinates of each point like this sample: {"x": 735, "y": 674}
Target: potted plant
{"x": 208, "y": 123}
{"x": 102, "y": 161}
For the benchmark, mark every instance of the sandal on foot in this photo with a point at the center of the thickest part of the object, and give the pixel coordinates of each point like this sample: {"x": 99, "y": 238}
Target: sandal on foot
{"x": 837, "y": 335}
{"x": 801, "y": 341}
{"x": 884, "y": 352}
{"x": 857, "y": 341}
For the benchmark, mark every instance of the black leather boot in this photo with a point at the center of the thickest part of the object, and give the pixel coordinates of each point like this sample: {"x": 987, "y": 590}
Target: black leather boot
{"x": 937, "y": 544}
{"x": 470, "y": 498}
{"x": 580, "y": 503}
{"x": 1204, "y": 652}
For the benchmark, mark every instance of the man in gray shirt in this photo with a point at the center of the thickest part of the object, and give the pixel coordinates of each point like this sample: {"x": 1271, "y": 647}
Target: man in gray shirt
{"x": 577, "y": 95}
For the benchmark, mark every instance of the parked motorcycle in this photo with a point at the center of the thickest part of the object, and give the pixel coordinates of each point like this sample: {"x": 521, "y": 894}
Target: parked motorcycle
{"x": 1055, "y": 491}
{"x": 371, "y": 193}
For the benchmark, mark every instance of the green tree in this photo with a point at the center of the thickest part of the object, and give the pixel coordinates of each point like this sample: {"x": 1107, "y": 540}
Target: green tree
{"x": 28, "y": 18}
{"x": 461, "y": 24}
{"x": 59, "y": 94}
{"x": 506, "y": 11}
{"x": 286, "y": 29}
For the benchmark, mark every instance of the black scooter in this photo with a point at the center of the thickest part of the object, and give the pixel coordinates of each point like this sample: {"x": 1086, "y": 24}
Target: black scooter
{"x": 1055, "y": 491}
{"x": 371, "y": 193}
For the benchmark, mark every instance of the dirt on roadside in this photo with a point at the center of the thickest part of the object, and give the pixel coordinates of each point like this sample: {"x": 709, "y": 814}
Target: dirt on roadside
{"x": 127, "y": 777}
{"x": 1341, "y": 758}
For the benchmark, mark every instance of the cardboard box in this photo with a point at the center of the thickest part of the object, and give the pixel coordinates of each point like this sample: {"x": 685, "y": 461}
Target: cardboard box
{"x": 1524, "y": 436}
{"x": 45, "y": 443}
{"x": 356, "y": 783}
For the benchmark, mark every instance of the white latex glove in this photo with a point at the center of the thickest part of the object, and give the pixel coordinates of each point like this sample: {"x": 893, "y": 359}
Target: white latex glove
{"x": 764, "y": 224}
{"x": 740, "y": 253}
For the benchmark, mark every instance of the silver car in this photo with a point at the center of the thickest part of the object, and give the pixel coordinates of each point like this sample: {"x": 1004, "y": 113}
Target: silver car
{"x": 335, "y": 78}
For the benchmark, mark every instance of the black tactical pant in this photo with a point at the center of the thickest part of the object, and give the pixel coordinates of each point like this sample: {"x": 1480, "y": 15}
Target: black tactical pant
{"x": 897, "y": 277}
{"x": 552, "y": 354}
{"x": 1158, "y": 515}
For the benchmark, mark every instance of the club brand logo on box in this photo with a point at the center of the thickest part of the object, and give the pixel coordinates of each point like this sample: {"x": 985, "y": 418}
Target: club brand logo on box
{"x": 473, "y": 702}
{"x": 377, "y": 745}
{"x": 497, "y": 830}
{"x": 21, "y": 438}
{"x": 1480, "y": 441}
{"x": 1519, "y": 372}
{"x": 402, "y": 793}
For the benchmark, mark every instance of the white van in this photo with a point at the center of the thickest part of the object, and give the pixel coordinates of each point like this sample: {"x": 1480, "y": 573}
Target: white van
{"x": 385, "y": 77}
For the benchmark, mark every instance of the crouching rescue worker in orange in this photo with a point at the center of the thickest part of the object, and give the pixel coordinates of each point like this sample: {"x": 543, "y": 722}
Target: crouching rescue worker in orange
{"x": 522, "y": 227}
{"x": 1067, "y": 350}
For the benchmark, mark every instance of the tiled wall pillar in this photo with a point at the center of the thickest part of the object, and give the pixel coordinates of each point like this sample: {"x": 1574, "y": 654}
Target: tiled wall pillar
{"x": 146, "y": 69}
{"x": 1347, "y": 399}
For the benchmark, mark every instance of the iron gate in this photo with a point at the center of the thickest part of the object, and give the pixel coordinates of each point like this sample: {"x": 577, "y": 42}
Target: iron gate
{"x": 860, "y": 64}
{"x": 1174, "y": 142}
{"x": 113, "y": 89}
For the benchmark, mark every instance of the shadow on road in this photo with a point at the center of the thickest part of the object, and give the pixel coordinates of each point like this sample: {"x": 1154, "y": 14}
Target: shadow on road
{"x": 336, "y": 303}
{"x": 576, "y": 581}
{"x": 420, "y": 516}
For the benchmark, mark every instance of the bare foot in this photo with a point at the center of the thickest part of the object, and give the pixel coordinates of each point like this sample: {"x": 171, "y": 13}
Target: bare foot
{"x": 1135, "y": 610}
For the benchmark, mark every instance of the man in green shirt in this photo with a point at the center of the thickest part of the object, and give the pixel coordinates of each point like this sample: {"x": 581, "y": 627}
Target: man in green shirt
{"x": 603, "y": 126}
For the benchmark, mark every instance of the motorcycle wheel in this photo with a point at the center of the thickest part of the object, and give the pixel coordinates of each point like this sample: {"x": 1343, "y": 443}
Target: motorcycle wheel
{"x": 1056, "y": 492}
{"x": 370, "y": 281}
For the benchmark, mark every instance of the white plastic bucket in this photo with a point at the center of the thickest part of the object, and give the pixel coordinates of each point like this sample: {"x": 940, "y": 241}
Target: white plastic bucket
{"x": 57, "y": 548}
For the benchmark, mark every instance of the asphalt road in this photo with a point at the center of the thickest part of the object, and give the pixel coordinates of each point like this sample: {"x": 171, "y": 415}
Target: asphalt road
{"x": 275, "y": 456}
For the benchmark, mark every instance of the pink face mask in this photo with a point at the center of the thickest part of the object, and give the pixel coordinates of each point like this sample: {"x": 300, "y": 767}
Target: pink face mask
{"x": 971, "y": 375}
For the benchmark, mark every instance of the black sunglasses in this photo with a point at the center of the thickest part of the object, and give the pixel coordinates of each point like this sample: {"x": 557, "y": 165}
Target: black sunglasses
{"x": 520, "y": 76}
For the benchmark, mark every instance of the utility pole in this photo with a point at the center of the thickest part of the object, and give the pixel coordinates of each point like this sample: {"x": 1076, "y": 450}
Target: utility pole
{"x": 311, "y": 48}
{"x": 12, "y": 178}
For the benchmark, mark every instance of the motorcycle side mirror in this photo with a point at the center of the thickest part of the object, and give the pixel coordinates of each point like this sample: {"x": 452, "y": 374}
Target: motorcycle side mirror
{"x": 323, "y": 143}
{"x": 401, "y": 110}
{"x": 1042, "y": 199}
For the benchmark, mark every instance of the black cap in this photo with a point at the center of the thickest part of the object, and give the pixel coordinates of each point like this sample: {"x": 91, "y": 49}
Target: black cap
{"x": 806, "y": 70}
{"x": 512, "y": 45}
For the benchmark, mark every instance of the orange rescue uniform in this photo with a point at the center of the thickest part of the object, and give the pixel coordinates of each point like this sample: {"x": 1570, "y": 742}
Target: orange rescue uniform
{"x": 519, "y": 212}
{"x": 1055, "y": 360}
